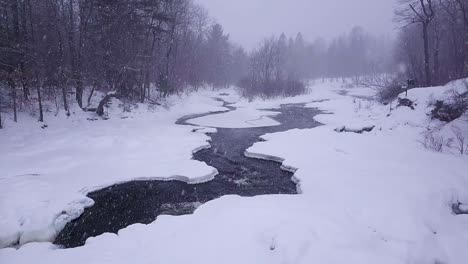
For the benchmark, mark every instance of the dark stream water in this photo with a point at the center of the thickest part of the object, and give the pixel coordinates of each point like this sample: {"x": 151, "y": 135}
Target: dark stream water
{"x": 121, "y": 205}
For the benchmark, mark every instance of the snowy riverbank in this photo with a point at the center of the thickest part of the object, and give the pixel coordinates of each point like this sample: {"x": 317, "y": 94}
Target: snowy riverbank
{"x": 375, "y": 197}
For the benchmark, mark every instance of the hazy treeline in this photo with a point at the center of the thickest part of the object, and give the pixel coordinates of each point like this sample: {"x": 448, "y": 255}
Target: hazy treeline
{"x": 433, "y": 42}
{"x": 276, "y": 68}
{"x": 353, "y": 54}
{"x": 279, "y": 65}
{"x": 59, "y": 48}
{"x": 62, "y": 51}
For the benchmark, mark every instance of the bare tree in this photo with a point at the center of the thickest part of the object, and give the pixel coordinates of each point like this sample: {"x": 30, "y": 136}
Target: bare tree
{"x": 419, "y": 12}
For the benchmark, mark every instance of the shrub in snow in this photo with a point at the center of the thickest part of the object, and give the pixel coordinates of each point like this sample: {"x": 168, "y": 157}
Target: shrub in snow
{"x": 436, "y": 142}
{"x": 406, "y": 103}
{"x": 389, "y": 92}
{"x": 387, "y": 86}
{"x": 452, "y": 108}
{"x": 447, "y": 112}
{"x": 271, "y": 88}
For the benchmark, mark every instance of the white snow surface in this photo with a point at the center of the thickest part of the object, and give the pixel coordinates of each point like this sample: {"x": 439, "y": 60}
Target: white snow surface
{"x": 239, "y": 118}
{"x": 46, "y": 173}
{"x": 377, "y": 197}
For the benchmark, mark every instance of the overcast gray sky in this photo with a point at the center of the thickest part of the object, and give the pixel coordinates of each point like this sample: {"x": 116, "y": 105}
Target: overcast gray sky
{"x": 248, "y": 21}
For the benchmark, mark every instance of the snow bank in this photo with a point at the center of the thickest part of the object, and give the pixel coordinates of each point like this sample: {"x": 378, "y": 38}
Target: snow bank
{"x": 384, "y": 180}
{"x": 239, "y": 118}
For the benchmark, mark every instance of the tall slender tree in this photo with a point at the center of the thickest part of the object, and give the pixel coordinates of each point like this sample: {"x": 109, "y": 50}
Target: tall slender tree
{"x": 420, "y": 12}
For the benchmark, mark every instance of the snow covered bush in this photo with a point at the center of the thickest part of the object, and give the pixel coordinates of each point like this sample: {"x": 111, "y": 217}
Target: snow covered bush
{"x": 405, "y": 102}
{"x": 273, "y": 88}
{"x": 386, "y": 94}
{"x": 452, "y": 108}
{"x": 387, "y": 86}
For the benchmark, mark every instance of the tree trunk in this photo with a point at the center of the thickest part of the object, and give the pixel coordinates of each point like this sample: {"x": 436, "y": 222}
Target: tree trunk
{"x": 73, "y": 56}
{"x": 15, "y": 110}
{"x": 147, "y": 84}
{"x": 13, "y": 95}
{"x": 437, "y": 74}
{"x": 92, "y": 93}
{"x": 461, "y": 5}
{"x": 82, "y": 30}
{"x": 102, "y": 104}
{"x": 168, "y": 88}
{"x": 24, "y": 82}
{"x": 142, "y": 92}
{"x": 437, "y": 67}
{"x": 79, "y": 93}
{"x": 16, "y": 28}
{"x": 15, "y": 16}
{"x": 465, "y": 51}
{"x": 427, "y": 64}
{"x": 65, "y": 102}
{"x": 1, "y": 123}
{"x": 39, "y": 99}
{"x": 62, "y": 61}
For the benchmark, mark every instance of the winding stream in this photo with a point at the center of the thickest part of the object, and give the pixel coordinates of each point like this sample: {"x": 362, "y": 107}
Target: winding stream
{"x": 121, "y": 205}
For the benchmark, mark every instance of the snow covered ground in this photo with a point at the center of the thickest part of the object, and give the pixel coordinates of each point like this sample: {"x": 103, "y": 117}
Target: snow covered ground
{"x": 375, "y": 197}
{"x": 241, "y": 117}
{"x": 46, "y": 173}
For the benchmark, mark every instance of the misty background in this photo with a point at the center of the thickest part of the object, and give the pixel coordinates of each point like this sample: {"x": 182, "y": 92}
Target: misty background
{"x": 248, "y": 21}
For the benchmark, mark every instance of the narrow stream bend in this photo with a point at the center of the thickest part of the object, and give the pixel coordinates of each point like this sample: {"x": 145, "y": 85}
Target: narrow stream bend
{"x": 122, "y": 205}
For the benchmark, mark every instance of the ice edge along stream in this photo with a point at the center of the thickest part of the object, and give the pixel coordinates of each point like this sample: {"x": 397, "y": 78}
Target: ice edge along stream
{"x": 240, "y": 173}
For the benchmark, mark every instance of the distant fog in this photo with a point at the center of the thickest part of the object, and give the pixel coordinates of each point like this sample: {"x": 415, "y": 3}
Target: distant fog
{"x": 248, "y": 21}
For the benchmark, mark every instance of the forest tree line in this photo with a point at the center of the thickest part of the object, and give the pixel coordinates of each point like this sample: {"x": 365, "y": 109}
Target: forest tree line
{"x": 57, "y": 48}
{"x": 63, "y": 51}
